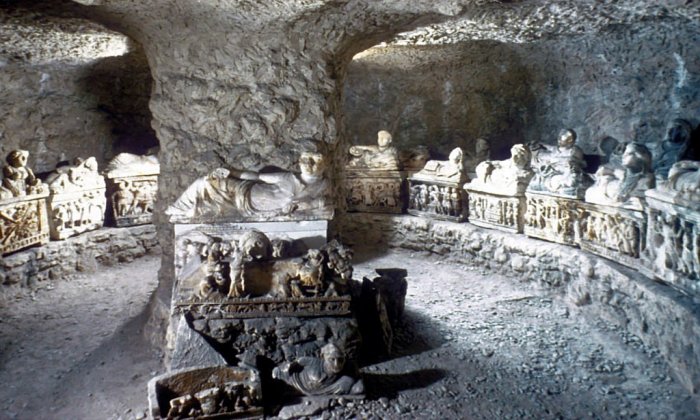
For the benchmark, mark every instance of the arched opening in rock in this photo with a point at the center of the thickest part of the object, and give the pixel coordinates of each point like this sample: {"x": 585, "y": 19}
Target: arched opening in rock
{"x": 71, "y": 87}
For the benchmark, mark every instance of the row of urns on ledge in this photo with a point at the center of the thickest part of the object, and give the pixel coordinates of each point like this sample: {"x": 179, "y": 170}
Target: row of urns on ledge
{"x": 638, "y": 206}
{"x": 73, "y": 199}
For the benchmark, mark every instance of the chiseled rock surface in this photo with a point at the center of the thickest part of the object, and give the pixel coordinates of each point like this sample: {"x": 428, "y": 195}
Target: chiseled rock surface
{"x": 83, "y": 253}
{"x": 659, "y": 315}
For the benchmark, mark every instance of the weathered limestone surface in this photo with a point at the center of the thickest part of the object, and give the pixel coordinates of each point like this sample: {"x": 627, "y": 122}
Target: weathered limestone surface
{"x": 71, "y": 87}
{"x": 644, "y": 307}
{"x": 598, "y": 84}
{"x": 85, "y": 252}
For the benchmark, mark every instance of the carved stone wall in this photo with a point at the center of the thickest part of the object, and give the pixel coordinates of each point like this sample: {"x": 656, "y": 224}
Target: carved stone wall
{"x": 61, "y": 112}
{"x": 82, "y": 253}
{"x": 646, "y": 308}
{"x": 445, "y": 96}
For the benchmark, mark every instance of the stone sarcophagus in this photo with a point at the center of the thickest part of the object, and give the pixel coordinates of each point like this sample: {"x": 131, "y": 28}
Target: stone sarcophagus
{"x": 613, "y": 232}
{"x": 23, "y": 222}
{"x": 132, "y": 186}
{"x": 77, "y": 202}
{"x": 252, "y": 296}
{"x": 373, "y": 181}
{"x": 673, "y": 228}
{"x": 374, "y": 191}
{"x": 497, "y": 194}
{"x": 436, "y": 191}
{"x": 23, "y": 212}
{"x": 558, "y": 185}
{"x": 613, "y": 222}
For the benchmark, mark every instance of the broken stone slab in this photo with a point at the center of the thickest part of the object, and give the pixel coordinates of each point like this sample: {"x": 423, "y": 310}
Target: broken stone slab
{"x": 206, "y": 393}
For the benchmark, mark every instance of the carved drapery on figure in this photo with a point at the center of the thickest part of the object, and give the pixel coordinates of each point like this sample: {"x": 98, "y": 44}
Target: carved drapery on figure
{"x": 560, "y": 170}
{"x": 77, "y": 202}
{"x": 497, "y": 194}
{"x": 132, "y": 188}
{"x": 323, "y": 375}
{"x": 373, "y": 181}
{"x": 232, "y": 195}
{"x": 504, "y": 177}
{"x": 23, "y": 211}
{"x": 624, "y": 185}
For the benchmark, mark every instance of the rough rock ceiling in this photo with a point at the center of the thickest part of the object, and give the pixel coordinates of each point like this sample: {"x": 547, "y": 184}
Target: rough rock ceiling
{"x": 61, "y": 31}
{"x": 37, "y": 36}
{"x": 527, "y": 21}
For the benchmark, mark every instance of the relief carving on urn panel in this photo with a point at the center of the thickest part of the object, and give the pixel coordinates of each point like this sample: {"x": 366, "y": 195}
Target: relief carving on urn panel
{"x": 552, "y": 218}
{"x": 612, "y": 232}
{"x": 673, "y": 228}
{"x": 496, "y": 212}
{"x": 23, "y": 211}
{"x": 132, "y": 188}
{"x": 247, "y": 275}
{"x": 77, "y": 202}
{"x": 436, "y": 191}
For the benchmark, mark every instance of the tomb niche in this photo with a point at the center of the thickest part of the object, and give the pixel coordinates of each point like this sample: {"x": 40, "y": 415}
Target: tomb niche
{"x": 77, "y": 202}
{"x": 132, "y": 185}
{"x": 558, "y": 186}
{"x": 23, "y": 211}
{"x": 436, "y": 191}
{"x": 613, "y": 222}
{"x": 373, "y": 179}
{"x": 497, "y": 194}
{"x": 673, "y": 228}
{"x": 258, "y": 287}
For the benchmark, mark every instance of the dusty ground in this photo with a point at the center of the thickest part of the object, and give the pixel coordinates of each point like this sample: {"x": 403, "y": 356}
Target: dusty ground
{"x": 472, "y": 345}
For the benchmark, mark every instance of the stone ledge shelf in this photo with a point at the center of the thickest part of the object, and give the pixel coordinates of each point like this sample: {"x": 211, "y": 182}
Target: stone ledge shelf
{"x": 608, "y": 290}
{"x": 77, "y": 254}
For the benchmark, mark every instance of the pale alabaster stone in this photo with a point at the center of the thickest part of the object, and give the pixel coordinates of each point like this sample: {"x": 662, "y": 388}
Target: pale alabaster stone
{"x": 552, "y": 195}
{"x": 551, "y": 217}
{"x": 232, "y": 195}
{"x": 373, "y": 181}
{"x": 560, "y": 170}
{"x": 132, "y": 185}
{"x": 624, "y": 186}
{"x": 497, "y": 195}
{"x": 673, "y": 228}
{"x": 383, "y": 156}
{"x": 77, "y": 202}
{"x": 505, "y": 177}
{"x": 436, "y": 191}
{"x": 23, "y": 211}
{"x": 613, "y": 223}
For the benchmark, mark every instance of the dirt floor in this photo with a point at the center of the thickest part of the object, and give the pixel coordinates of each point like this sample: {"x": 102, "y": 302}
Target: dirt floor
{"x": 471, "y": 345}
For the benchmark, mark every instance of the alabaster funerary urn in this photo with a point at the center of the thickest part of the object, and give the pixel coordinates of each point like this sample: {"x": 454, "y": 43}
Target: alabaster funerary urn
{"x": 23, "y": 211}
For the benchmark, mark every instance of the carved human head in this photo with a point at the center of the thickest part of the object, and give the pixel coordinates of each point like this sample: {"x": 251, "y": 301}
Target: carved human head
{"x": 456, "y": 156}
{"x": 567, "y": 138}
{"x": 520, "y": 155}
{"x": 312, "y": 163}
{"x": 255, "y": 245}
{"x": 482, "y": 147}
{"x": 679, "y": 131}
{"x": 17, "y": 158}
{"x": 333, "y": 359}
{"x": 383, "y": 138}
{"x": 637, "y": 158}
